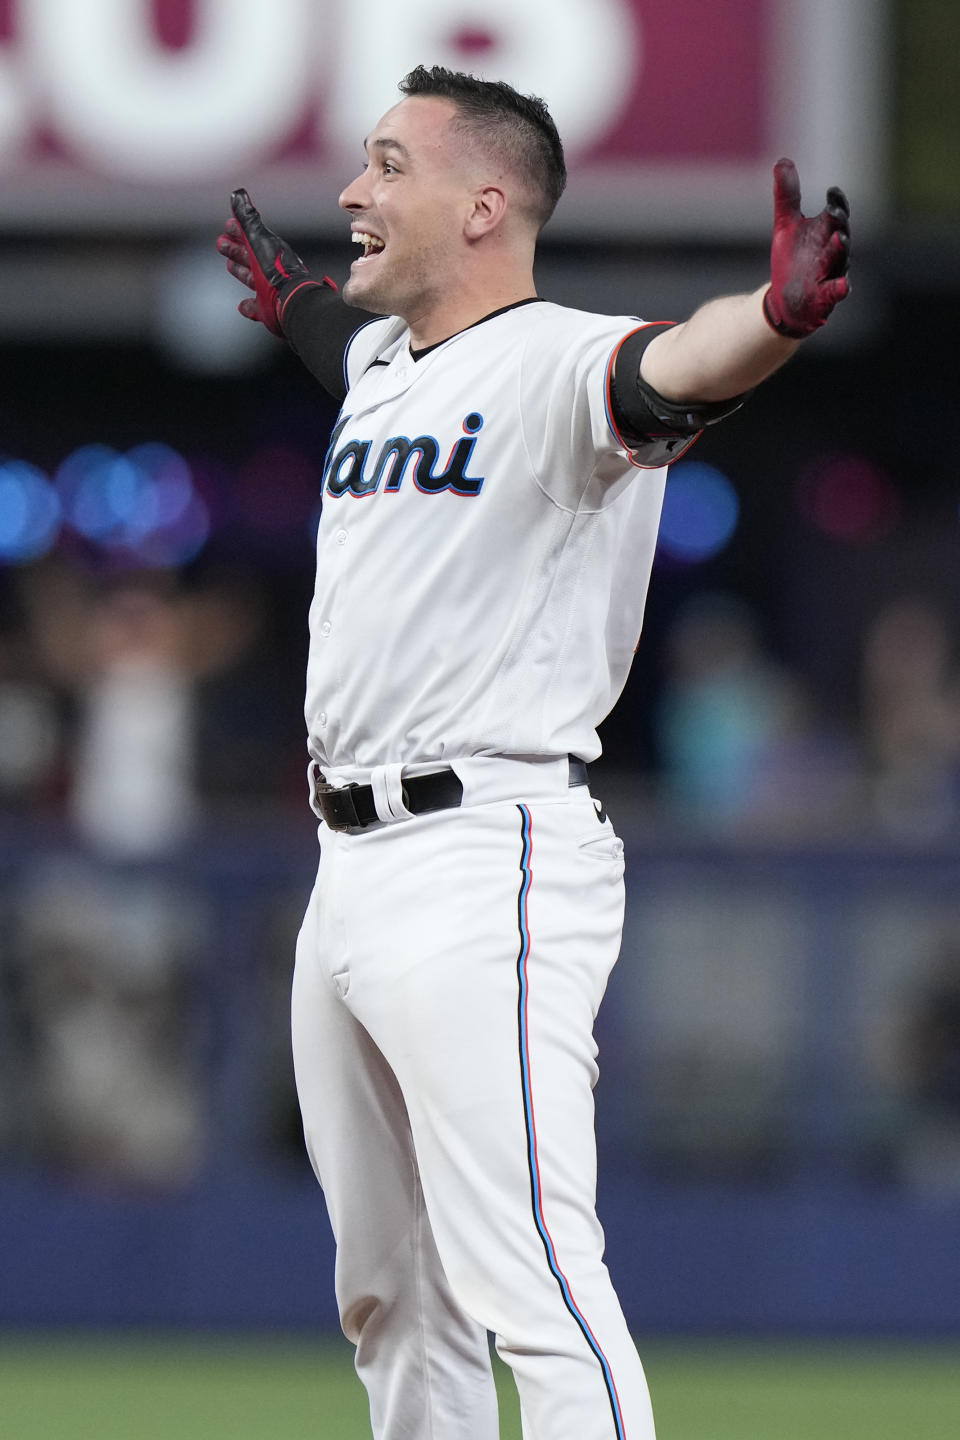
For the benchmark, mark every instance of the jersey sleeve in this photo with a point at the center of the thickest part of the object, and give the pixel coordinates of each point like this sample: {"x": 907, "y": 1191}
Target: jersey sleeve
{"x": 567, "y": 404}
{"x": 375, "y": 340}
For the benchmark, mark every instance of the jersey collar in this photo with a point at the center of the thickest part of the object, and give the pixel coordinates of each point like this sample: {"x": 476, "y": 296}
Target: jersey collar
{"x": 514, "y": 305}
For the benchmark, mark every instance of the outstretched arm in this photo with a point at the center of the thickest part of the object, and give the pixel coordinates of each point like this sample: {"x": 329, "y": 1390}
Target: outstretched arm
{"x": 730, "y": 344}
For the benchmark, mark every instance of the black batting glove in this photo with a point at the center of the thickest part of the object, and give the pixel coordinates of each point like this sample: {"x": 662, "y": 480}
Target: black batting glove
{"x": 263, "y": 262}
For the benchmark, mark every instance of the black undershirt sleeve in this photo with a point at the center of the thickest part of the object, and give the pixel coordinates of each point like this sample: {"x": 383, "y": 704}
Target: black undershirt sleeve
{"x": 641, "y": 414}
{"x": 318, "y": 325}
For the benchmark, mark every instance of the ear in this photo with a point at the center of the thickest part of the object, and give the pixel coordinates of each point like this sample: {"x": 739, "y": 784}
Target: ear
{"x": 487, "y": 209}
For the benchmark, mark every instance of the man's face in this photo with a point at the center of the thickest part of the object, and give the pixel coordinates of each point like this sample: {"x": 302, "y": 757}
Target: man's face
{"x": 413, "y": 196}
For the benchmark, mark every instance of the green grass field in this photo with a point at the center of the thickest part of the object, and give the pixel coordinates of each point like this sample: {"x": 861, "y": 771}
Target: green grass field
{"x": 198, "y": 1388}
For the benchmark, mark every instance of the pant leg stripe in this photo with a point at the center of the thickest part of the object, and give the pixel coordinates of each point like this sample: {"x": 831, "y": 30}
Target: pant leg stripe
{"x": 533, "y": 1161}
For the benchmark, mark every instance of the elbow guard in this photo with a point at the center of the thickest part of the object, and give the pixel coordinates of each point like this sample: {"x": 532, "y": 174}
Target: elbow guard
{"x": 679, "y": 417}
{"x": 643, "y": 414}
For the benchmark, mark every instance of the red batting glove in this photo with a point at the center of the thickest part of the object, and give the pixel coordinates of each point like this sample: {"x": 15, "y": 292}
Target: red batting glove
{"x": 263, "y": 262}
{"x": 808, "y": 259}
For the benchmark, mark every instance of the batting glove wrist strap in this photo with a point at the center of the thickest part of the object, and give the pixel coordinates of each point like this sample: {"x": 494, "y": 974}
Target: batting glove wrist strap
{"x": 808, "y": 258}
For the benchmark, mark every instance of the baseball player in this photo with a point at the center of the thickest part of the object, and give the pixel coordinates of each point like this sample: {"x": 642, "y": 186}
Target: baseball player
{"x": 491, "y": 497}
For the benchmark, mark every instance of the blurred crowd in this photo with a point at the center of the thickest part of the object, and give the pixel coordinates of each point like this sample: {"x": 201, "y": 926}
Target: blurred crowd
{"x": 138, "y": 714}
{"x": 745, "y": 747}
{"x": 135, "y": 713}
{"x": 132, "y": 706}
{"x": 135, "y": 708}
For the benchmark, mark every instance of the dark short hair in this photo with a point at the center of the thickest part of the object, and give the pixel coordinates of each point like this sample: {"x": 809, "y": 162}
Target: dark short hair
{"x": 519, "y": 126}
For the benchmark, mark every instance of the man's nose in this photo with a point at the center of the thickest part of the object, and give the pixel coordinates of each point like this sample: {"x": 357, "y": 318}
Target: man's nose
{"x": 353, "y": 197}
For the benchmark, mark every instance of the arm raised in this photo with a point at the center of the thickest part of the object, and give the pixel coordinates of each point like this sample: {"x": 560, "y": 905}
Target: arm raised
{"x": 734, "y": 342}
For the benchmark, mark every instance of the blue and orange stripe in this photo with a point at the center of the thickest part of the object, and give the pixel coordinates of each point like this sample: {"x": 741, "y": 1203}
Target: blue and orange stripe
{"x": 533, "y": 1160}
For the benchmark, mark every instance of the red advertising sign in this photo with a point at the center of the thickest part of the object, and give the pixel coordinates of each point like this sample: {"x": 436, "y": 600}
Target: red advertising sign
{"x": 699, "y": 87}
{"x": 110, "y": 102}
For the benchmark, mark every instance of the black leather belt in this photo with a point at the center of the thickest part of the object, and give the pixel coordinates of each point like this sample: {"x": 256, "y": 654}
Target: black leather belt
{"x": 352, "y": 807}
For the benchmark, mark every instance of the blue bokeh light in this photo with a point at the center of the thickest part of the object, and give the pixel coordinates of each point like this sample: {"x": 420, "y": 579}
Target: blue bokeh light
{"x": 142, "y": 506}
{"x": 114, "y": 503}
{"x": 176, "y": 543}
{"x": 170, "y": 477}
{"x": 30, "y": 512}
{"x": 700, "y": 512}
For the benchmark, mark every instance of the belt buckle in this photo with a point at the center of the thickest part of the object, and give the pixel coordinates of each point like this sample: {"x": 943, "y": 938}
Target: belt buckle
{"x": 314, "y": 781}
{"x": 333, "y": 804}
{"x": 337, "y": 807}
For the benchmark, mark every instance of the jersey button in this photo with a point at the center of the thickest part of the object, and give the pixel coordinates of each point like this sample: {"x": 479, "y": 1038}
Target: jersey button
{"x": 325, "y": 629}
{"x": 341, "y": 537}
{"x": 322, "y": 717}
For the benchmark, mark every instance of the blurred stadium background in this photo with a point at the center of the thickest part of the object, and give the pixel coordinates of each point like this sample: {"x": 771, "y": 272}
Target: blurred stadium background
{"x": 779, "y": 1106}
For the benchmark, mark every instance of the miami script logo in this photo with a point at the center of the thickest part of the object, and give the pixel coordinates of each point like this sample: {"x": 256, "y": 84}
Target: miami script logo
{"x": 352, "y": 470}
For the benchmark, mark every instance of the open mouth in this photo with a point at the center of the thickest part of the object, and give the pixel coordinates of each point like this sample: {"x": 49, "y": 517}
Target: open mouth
{"x": 372, "y": 245}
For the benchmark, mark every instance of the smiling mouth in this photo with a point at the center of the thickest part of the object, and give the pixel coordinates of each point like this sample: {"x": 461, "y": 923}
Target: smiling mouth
{"x": 372, "y": 245}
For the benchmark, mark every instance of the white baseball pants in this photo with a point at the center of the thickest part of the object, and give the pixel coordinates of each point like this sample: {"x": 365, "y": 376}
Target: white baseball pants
{"x": 448, "y": 975}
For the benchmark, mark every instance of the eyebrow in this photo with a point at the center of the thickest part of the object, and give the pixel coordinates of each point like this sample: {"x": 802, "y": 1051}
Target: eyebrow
{"x": 386, "y": 142}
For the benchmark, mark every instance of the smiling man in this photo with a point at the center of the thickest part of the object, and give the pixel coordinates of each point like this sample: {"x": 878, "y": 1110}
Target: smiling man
{"x": 491, "y": 497}
{"x": 451, "y": 201}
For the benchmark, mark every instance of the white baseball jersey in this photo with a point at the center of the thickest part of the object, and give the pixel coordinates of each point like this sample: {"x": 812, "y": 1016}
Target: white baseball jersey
{"x": 483, "y": 559}
{"x": 485, "y": 545}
